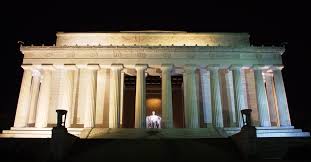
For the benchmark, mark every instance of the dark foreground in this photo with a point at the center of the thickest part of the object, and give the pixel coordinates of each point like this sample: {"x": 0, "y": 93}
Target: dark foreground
{"x": 149, "y": 150}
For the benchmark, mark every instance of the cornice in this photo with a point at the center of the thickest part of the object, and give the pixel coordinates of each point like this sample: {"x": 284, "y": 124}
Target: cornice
{"x": 252, "y": 49}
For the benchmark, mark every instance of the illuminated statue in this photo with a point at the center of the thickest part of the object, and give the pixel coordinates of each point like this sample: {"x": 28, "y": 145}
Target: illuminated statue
{"x": 153, "y": 121}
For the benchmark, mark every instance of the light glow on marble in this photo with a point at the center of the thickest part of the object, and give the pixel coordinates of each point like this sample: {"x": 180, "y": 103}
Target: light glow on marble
{"x": 153, "y": 103}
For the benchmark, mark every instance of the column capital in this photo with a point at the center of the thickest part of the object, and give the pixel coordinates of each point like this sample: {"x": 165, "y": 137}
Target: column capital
{"x": 277, "y": 67}
{"x": 116, "y": 66}
{"x": 104, "y": 66}
{"x": 86, "y": 66}
{"x": 36, "y": 66}
{"x": 166, "y": 66}
{"x": 70, "y": 67}
{"x": 217, "y": 66}
{"x": 65, "y": 66}
{"x": 268, "y": 74}
{"x": 141, "y": 66}
{"x": 59, "y": 66}
{"x": 260, "y": 67}
{"x": 236, "y": 66}
{"x": 190, "y": 67}
{"x": 203, "y": 69}
{"x": 47, "y": 67}
{"x": 27, "y": 67}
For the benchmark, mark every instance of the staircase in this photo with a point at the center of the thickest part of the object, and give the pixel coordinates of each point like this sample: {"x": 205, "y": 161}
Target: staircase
{"x": 216, "y": 149}
{"x": 273, "y": 132}
{"x": 31, "y": 132}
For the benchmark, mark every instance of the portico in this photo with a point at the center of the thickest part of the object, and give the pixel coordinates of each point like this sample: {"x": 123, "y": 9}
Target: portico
{"x": 86, "y": 73}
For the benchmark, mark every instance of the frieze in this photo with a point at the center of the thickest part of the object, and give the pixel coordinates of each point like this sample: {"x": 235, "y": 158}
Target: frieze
{"x": 191, "y": 55}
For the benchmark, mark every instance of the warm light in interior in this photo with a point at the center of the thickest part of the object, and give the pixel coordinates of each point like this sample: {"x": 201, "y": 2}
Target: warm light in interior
{"x": 153, "y": 103}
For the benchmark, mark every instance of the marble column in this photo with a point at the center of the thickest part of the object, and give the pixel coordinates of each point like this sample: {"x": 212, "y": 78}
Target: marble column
{"x": 281, "y": 97}
{"x": 114, "y": 98}
{"x": 140, "y": 98}
{"x": 86, "y": 99}
{"x": 206, "y": 95}
{"x": 230, "y": 99}
{"x": 216, "y": 97}
{"x": 121, "y": 98}
{"x": 167, "y": 107}
{"x": 244, "y": 89}
{"x": 23, "y": 105}
{"x": 65, "y": 90}
{"x": 35, "y": 84}
{"x": 190, "y": 99}
{"x": 240, "y": 96}
{"x": 274, "y": 117}
{"x": 262, "y": 101}
{"x": 100, "y": 93}
{"x": 44, "y": 97}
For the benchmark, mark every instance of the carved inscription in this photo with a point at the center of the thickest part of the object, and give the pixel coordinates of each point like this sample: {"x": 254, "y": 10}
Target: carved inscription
{"x": 116, "y": 53}
{"x": 141, "y": 54}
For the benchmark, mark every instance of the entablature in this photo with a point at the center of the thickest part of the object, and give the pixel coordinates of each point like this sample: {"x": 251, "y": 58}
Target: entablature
{"x": 144, "y": 54}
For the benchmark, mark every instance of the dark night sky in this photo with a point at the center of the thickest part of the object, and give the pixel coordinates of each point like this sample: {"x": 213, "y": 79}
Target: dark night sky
{"x": 268, "y": 23}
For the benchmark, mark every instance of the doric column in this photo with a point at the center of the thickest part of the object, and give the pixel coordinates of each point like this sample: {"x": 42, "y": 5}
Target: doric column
{"x": 44, "y": 97}
{"x": 262, "y": 101}
{"x": 87, "y": 90}
{"x": 190, "y": 99}
{"x": 239, "y": 94}
{"x": 35, "y": 84}
{"x": 216, "y": 97}
{"x": 274, "y": 117}
{"x": 121, "y": 97}
{"x": 167, "y": 108}
{"x": 23, "y": 105}
{"x": 140, "y": 98}
{"x": 114, "y": 100}
{"x": 206, "y": 95}
{"x": 65, "y": 90}
{"x": 100, "y": 93}
{"x": 281, "y": 97}
{"x": 230, "y": 99}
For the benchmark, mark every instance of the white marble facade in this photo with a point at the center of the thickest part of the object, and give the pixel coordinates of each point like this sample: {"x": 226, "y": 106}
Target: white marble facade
{"x": 84, "y": 74}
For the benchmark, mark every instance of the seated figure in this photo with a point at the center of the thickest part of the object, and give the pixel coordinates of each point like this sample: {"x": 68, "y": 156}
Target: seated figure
{"x": 153, "y": 121}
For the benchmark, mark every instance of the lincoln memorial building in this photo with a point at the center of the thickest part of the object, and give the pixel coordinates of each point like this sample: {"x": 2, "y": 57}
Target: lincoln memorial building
{"x": 196, "y": 84}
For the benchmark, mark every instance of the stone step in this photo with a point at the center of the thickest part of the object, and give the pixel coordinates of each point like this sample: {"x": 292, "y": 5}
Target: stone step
{"x": 289, "y": 131}
{"x": 279, "y": 131}
{"x": 261, "y": 128}
{"x": 44, "y": 129}
{"x": 270, "y": 131}
{"x": 33, "y": 132}
{"x": 26, "y": 135}
{"x": 292, "y": 134}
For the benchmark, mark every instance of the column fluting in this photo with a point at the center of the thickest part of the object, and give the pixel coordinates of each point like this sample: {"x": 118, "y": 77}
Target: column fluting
{"x": 190, "y": 99}
{"x": 262, "y": 100}
{"x": 140, "y": 98}
{"x": 167, "y": 107}
{"x": 281, "y": 97}
{"x": 216, "y": 97}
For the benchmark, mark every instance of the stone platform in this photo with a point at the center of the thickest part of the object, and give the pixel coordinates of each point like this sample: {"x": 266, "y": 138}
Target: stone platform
{"x": 132, "y": 133}
{"x": 31, "y": 132}
{"x": 289, "y": 131}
